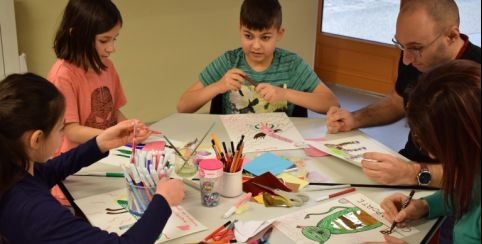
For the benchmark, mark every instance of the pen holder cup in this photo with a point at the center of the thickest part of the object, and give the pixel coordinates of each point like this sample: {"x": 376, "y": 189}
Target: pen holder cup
{"x": 210, "y": 180}
{"x": 186, "y": 169}
{"x": 138, "y": 198}
{"x": 232, "y": 184}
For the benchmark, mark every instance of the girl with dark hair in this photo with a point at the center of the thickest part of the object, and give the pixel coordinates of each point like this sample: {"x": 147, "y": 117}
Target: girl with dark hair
{"x": 31, "y": 125}
{"x": 83, "y": 71}
{"x": 445, "y": 123}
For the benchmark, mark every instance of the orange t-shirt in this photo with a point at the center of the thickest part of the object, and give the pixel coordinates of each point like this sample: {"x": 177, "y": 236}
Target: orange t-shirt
{"x": 91, "y": 99}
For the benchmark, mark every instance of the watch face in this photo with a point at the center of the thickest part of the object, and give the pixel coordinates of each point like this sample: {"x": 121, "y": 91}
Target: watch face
{"x": 424, "y": 178}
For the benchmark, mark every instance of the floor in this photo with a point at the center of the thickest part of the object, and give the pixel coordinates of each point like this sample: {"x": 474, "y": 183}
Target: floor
{"x": 392, "y": 135}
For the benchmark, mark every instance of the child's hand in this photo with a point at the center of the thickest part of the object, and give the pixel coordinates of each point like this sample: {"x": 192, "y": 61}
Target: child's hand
{"x": 271, "y": 93}
{"x": 121, "y": 134}
{"x": 415, "y": 210}
{"x": 231, "y": 81}
{"x": 171, "y": 190}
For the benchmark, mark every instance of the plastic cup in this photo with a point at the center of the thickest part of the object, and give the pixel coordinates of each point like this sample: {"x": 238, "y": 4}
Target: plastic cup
{"x": 210, "y": 180}
{"x": 138, "y": 198}
{"x": 186, "y": 169}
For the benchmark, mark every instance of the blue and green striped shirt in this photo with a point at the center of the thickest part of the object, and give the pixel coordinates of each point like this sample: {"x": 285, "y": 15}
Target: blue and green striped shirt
{"x": 287, "y": 70}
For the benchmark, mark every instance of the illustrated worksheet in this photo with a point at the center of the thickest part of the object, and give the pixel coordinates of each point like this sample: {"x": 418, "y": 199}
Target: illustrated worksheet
{"x": 353, "y": 218}
{"x": 108, "y": 212}
{"x": 352, "y": 148}
{"x": 263, "y": 132}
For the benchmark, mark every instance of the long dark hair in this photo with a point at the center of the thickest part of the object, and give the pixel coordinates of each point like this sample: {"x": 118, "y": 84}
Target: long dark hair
{"x": 444, "y": 116}
{"x": 27, "y": 102}
{"x": 82, "y": 21}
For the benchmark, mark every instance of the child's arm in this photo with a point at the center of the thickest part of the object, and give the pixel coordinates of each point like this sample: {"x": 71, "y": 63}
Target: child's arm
{"x": 197, "y": 95}
{"x": 120, "y": 116}
{"x": 79, "y": 134}
{"x": 320, "y": 100}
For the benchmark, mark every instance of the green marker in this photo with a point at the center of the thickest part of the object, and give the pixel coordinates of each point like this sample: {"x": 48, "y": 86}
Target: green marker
{"x": 106, "y": 174}
{"x": 124, "y": 151}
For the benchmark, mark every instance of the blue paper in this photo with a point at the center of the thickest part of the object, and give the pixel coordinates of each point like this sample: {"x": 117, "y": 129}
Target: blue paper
{"x": 267, "y": 162}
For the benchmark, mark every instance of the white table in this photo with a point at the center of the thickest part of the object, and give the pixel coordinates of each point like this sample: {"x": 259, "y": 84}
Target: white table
{"x": 184, "y": 127}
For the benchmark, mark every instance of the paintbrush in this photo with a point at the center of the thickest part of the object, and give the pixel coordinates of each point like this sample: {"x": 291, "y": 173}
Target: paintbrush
{"x": 194, "y": 151}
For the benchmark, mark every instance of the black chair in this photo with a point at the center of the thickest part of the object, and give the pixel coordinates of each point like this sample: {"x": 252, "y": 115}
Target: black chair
{"x": 217, "y": 108}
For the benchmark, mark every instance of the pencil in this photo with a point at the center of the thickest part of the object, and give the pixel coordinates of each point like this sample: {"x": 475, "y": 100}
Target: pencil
{"x": 253, "y": 82}
{"x": 216, "y": 143}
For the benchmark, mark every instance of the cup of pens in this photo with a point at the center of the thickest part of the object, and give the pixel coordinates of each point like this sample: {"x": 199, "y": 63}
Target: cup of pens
{"x": 232, "y": 160}
{"x": 139, "y": 197}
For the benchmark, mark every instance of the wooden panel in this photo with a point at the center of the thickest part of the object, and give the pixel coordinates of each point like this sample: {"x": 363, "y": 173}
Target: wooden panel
{"x": 355, "y": 63}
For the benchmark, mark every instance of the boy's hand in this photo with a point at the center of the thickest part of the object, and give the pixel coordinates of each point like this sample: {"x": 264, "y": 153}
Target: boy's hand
{"x": 271, "y": 93}
{"x": 231, "y": 81}
{"x": 121, "y": 134}
{"x": 339, "y": 120}
{"x": 171, "y": 190}
{"x": 417, "y": 209}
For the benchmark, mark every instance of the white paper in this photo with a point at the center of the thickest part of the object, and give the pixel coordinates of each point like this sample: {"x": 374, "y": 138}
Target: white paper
{"x": 318, "y": 217}
{"x": 180, "y": 223}
{"x": 255, "y": 140}
{"x": 352, "y": 148}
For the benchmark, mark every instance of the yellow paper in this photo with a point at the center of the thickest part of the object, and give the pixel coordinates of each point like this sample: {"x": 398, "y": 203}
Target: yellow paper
{"x": 293, "y": 179}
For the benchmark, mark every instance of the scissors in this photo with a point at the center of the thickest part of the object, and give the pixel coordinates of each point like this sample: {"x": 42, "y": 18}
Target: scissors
{"x": 294, "y": 199}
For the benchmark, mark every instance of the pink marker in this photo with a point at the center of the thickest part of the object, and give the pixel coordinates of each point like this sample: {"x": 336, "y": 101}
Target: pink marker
{"x": 244, "y": 199}
{"x": 335, "y": 194}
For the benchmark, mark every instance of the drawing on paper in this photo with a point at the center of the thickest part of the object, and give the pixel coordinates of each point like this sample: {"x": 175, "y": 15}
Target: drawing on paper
{"x": 263, "y": 132}
{"x": 351, "y": 219}
{"x": 104, "y": 211}
{"x": 346, "y": 221}
{"x": 352, "y": 148}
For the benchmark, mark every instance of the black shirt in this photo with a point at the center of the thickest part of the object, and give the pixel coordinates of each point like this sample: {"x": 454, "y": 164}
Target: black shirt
{"x": 407, "y": 80}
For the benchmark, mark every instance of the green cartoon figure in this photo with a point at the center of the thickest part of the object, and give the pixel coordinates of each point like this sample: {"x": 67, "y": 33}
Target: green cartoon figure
{"x": 347, "y": 221}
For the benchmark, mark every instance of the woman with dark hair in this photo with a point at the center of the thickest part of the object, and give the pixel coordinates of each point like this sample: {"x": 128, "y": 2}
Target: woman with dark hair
{"x": 445, "y": 123}
{"x": 31, "y": 125}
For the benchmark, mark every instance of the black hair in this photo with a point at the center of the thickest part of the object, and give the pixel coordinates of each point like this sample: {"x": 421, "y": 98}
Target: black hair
{"x": 28, "y": 102}
{"x": 261, "y": 14}
{"x": 82, "y": 21}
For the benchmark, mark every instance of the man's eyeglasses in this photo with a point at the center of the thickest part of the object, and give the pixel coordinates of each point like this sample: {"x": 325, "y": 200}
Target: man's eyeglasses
{"x": 415, "y": 51}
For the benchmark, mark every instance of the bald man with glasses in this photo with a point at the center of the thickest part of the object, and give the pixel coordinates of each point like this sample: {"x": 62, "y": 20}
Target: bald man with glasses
{"x": 428, "y": 34}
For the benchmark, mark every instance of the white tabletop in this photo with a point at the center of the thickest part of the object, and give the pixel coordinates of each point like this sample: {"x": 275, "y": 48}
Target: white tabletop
{"x": 185, "y": 127}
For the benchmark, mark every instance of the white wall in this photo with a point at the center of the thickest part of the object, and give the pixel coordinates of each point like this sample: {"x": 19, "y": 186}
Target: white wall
{"x": 9, "y": 62}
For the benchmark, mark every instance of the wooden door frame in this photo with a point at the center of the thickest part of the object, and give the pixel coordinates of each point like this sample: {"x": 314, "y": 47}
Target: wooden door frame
{"x": 355, "y": 63}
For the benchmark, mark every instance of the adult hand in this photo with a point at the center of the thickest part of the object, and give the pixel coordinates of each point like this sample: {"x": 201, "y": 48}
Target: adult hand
{"x": 387, "y": 169}
{"x": 417, "y": 209}
{"x": 231, "y": 81}
{"x": 171, "y": 189}
{"x": 339, "y": 120}
{"x": 121, "y": 134}
{"x": 271, "y": 93}
{"x": 388, "y": 240}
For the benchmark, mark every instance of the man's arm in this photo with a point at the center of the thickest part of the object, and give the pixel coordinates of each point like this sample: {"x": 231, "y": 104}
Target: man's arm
{"x": 385, "y": 111}
{"x": 390, "y": 170}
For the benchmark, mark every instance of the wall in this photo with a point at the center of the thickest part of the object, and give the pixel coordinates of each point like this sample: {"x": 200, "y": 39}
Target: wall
{"x": 9, "y": 61}
{"x": 163, "y": 45}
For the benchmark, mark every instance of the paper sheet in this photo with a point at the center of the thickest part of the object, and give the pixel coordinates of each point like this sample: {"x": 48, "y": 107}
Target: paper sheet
{"x": 250, "y": 125}
{"x": 180, "y": 223}
{"x": 352, "y": 148}
{"x": 353, "y": 218}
